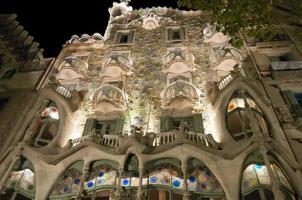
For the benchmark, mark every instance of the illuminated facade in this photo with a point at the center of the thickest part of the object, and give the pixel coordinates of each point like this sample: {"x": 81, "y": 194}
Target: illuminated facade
{"x": 162, "y": 107}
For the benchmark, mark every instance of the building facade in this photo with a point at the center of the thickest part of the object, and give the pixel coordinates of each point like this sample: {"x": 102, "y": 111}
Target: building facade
{"x": 161, "y": 107}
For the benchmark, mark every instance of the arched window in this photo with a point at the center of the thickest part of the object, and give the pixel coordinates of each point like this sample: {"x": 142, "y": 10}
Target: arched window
{"x": 240, "y": 112}
{"x": 21, "y": 183}
{"x": 163, "y": 179}
{"x": 69, "y": 183}
{"x": 256, "y": 183}
{"x": 201, "y": 182}
{"x": 101, "y": 180}
{"x": 131, "y": 173}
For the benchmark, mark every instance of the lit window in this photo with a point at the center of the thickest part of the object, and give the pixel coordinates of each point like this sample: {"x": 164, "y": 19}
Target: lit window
{"x": 175, "y": 33}
{"x": 70, "y": 182}
{"x": 100, "y": 175}
{"x": 239, "y": 112}
{"x": 256, "y": 182}
{"x": 21, "y": 181}
{"x": 192, "y": 123}
{"x": 124, "y": 37}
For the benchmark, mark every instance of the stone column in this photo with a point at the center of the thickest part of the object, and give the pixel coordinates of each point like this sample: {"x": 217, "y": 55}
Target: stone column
{"x": 184, "y": 172}
{"x": 118, "y": 188}
{"x": 273, "y": 178}
{"x": 8, "y": 171}
{"x": 140, "y": 192}
{"x": 83, "y": 179}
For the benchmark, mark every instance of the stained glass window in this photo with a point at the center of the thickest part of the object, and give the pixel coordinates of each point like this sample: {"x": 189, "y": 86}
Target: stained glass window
{"x": 23, "y": 179}
{"x": 101, "y": 175}
{"x": 166, "y": 175}
{"x": 256, "y": 174}
{"x": 281, "y": 176}
{"x": 239, "y": 111}
{"x": 69, "y": 183}
{"x": 201, "y": 179}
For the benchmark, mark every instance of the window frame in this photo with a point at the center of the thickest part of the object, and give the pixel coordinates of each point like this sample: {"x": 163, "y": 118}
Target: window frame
{"x": 182, "y": 33}
{"x": 118, "y": 37}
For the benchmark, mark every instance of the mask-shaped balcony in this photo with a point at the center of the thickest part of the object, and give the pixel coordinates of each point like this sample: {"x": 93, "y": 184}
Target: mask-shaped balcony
{"x": 178, "y": 61}
{"x": 225, "y": 59}
{"x": 116, "y": 65}
{"x": 180, "y": 95}
{"x": 108, "y": 99}
{"x": 212, "y": 36}
{"x": 71, "y": 70}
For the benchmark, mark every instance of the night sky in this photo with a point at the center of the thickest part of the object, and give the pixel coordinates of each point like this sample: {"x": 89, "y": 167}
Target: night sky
{"x": 53, "y": 22}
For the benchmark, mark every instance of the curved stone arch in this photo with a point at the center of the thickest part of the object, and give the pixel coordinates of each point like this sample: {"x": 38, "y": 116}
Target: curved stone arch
{"x": 168, "y": 160}
{"x": 111, "y": 163}
{"x": 64, "y": 109}
{"x": 257, "y": 96}
{"x": 135, "y": 152}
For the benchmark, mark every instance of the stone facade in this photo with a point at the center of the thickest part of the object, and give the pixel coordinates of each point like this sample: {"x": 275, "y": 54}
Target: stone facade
{"x": 160, "y": 107}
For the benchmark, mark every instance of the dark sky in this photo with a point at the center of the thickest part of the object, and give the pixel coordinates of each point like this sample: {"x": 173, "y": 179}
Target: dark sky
{"x": 53, "y": 22}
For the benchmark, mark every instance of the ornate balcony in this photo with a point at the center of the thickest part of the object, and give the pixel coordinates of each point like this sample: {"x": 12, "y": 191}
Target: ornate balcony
{"x": 200, "y": 139}
{"x": 116, "y": 65}
{"x": 108, "y": 98}
{"x": 286, "y": 65}
{"x": 180, "y": 90}
{"x": 226, "y": 58}
{"x": 178, "y": 61}
{"x": 212, "y": 36}
{"x": 160, "y": 140}
{"x": 72, "y": 69}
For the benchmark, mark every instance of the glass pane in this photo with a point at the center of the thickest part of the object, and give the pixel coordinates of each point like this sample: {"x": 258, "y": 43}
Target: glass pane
{"x": 235, "y": 103}
{"x": 69, "y": 183}
{"x": 254, "y": 195}
{"x": 176, "y": 34}
{"x": 249, "y": 178}
{"x": 268, "y": 194}
{"x": 177, "y": 182}
{"x": 161, "y": 177}
{"x": 282, "y": 178}
{"x": 203, "y": 180}
{"x": 262, "y": 174}
{"x": 125, "y": 182}
{"x": 135, "y": 181}
{"x": 245, "y": 120}
{"x": 99, "y": 176}
{"x": 28, "y": 180}
{"x": 233, "y": 121}
{"x": 253, "y": 105}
